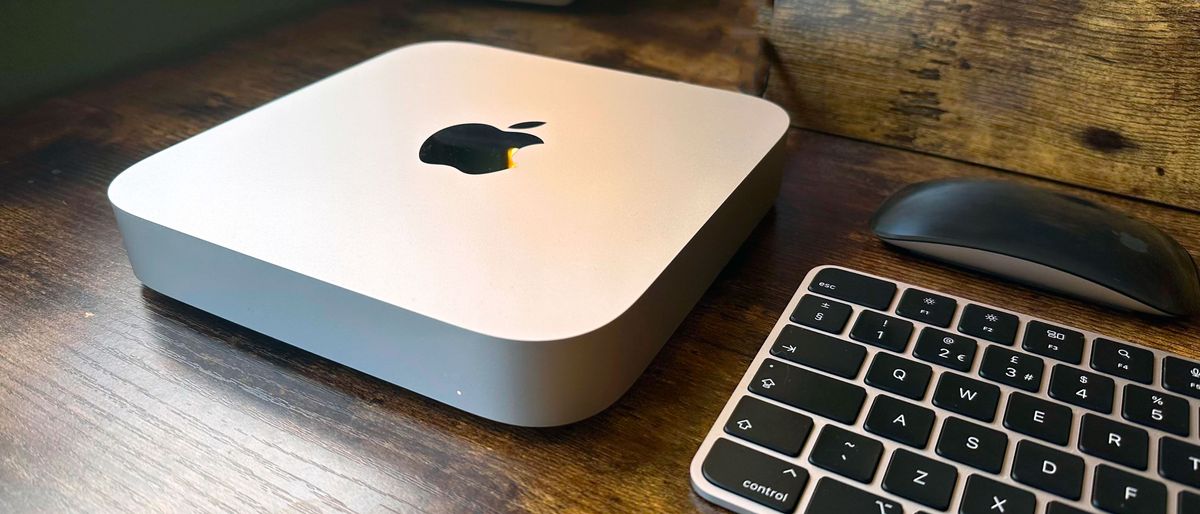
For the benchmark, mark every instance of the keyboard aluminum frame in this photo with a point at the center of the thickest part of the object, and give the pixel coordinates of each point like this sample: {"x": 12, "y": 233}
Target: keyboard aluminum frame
{"x": 737, "y": 503}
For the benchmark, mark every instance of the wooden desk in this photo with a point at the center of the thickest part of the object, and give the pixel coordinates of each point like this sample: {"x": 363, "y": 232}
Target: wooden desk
{"x": 115, "y": 398}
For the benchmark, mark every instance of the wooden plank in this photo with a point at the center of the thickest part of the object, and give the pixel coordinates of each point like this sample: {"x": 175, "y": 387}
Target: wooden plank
{"x": 1097, "y": 93}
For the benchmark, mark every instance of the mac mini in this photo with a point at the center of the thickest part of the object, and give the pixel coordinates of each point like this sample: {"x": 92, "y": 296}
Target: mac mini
{"x": 512, "y": 235}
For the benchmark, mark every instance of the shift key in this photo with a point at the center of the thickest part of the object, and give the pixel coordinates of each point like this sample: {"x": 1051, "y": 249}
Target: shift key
{"x": 807, "y": 390}
{"x": 852, "y": 287}
{"x": 754, "y": 475}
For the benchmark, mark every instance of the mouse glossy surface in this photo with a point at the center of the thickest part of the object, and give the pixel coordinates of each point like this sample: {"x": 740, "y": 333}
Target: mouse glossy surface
{"x": 1070, "y": 235}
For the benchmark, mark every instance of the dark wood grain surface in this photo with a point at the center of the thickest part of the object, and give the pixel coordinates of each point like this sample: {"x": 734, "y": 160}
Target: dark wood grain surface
{"x": 115, "y": 398}
{"x": 1098, "y": 93}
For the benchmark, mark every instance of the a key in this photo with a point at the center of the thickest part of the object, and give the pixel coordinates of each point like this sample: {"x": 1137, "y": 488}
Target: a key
{"x": 819, "y": 351}
{"x": 1123, "y": 360}
{"x": 900, "y": 421}
{"x": 950, "y": 350}
{"x": 754, "y": 475}
{"x": 1039, "y": 418}
{"x": 1113, "y": 441}
{"x": 1053, "y": 341}
{"x": 899, "y": 375}
{"x": 1119, "y": 492}
{"x": 1048, "y": 469}
{"x": 1181, "y": 376}
{"x": 919, "y": 479}
{"x": 846, "y": 453}
{"x": 1179, "y": 461}
{"x": 834, "y": 496}
{"x": 990, "y": 324}
{"x": 881, "y": 330}
{"x": 1156, "y": 409}
{"x": 926, "y": 307}
{"x": 983, "y": 495}
{"x": 967, "y": 443}
{"x": 809, "y": 391}
{"x": 967, "y": 396}
{"x": 1082, "y": 388}
{"x": 854, "y": 288}
{"x": 1020, "y": 370}
{"x": 768, "y": 425}
{"x": 1189, "y": 503}
{"x": 821, "y": 314}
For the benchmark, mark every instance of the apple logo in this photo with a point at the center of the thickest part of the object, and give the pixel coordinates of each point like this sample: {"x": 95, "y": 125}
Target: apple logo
{"x": 476, "y": 148}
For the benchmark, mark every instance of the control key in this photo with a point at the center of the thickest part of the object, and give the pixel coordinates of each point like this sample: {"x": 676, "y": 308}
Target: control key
{"x": 754, "y": 475}
{"x": 852, "y": 287}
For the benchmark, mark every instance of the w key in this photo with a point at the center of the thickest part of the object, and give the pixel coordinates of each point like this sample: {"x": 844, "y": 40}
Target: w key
{"x": 967, "y": 396}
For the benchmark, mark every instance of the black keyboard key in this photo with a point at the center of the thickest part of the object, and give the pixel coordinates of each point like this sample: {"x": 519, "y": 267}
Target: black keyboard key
{"x": 1081, "y": 388}
{"x": 926, "y": 307}
{"x": 1053, "y": 341}
{"x": 950, "y": 350}
{"x": 919, "y": 479}
{"x": 1048, "y": 469}
{"x": 882, "y": 330}
{"x": 821, "y": 314}
{"x": 967, "y": 396}
{"x": 846, "y": 453}
{"x": 819, "y": 351}
{"x": 1062, "y": 508}
{"x": 833, "y": 496}
{"x": 1181, "y": 376}
{"x": 983, "y": 495}
{"x": 1189, "y": 503}
{"x": 899, "y": 375}
{"x": 1114, "y": 441}
{"x": 1020, "y": 370}
{"x": 774, "y": 427}
{"x": 1179, "y": 461}
{"x": 754, "y": 475}
{"x": 1119, "y": 492}
{"x": 1156, "y": 409}
{"x": 1123, "y": 360}
{"x": 809, "y": 391}
{"x": 854, "y": 288}
{"x": 990, "y": 324}
{"x": 976, "y": 446}
{"x": 900, "y": 421}
{"x": 1039, "y": 418}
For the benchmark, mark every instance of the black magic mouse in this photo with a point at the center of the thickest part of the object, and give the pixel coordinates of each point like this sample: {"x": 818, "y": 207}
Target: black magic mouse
{"x": 1044, "y": 239}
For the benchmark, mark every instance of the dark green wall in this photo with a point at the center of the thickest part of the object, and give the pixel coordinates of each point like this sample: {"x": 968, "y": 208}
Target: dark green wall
{"x": 50, "y": 45}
